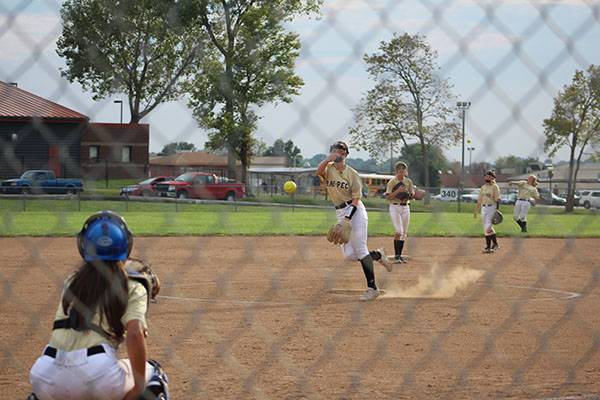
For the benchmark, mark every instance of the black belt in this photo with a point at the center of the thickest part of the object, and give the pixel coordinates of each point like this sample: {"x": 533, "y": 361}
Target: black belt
{"x": 522, "y": 200}
{"x": 51, "y": 351}
{"x": 400, "y": 204}
{"x": 488, "y": 205}
{"x": 344, "y": 204}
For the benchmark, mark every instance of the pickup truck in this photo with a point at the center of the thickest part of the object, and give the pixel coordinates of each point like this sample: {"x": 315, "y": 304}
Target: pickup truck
{"x": 41, "y": 181}
{"x": 200, "y": 185}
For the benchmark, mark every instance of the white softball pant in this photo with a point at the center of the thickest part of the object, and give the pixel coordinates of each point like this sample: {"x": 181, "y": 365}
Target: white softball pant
{"x": 400, "y": 219}
{"x": 356, "y": 249}
{"x": 487, "y": 213}
{"x": 74, "y": 375}
{"x": 521, "y": 210}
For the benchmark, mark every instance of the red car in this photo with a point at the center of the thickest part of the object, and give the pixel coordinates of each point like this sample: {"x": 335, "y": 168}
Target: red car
{"x": 145, "y": 188}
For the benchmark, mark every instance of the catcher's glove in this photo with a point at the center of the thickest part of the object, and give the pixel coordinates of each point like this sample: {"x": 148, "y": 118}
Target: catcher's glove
{"x": 401, "y": 195}
{"x": 497, "y": 218}
{"x": 143, "y": 268}
{"x": 340, "y": 233}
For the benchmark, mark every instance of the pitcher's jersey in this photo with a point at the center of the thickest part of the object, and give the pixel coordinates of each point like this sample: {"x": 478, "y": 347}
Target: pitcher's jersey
{"x": 526, "y": 191}
{"x": 343, "y": 185}
{"x": 489, "y": 195}
{"x": 70, "y": 339}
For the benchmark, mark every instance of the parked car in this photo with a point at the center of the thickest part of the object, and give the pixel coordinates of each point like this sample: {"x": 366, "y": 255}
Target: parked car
{"x": 508, "y": 198}
{"x": 547, "y": 197}
{"x": 146, "y": 187}
{"x": 41, "y": 181}
{"x": 470, "y": 195}
{"x": 575, "y": 198}
{"x": 590, "y": 198}
{"x": 201, "y": 185}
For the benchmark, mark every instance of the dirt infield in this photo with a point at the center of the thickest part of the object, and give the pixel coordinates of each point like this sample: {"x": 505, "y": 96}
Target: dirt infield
{"x": 279, "y": 317}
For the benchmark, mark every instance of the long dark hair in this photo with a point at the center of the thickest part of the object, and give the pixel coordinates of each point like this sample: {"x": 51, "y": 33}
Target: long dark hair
{"x": 98, "y": 285}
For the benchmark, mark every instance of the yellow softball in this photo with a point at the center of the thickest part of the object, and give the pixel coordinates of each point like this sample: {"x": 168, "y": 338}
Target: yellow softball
{"x": 289, "y": 187}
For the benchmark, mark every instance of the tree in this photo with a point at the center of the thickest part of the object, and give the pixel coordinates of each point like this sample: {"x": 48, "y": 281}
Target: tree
{"x": 514, "y": 162}
{"x": 177, "y": 147}
{"x": 575, "y": 122}
{"x": 141, "y": 48}
{"x": 409, "y": 102}
{"x": 411, "y": 154}
{"x": 288, "y": 150}
{"x": 250, "y": 63}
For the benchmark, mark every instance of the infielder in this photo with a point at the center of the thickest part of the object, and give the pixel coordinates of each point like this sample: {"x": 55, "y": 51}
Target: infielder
{"x": 102, "y": 306}
{"x": 488, "y": 201}
{"x": 400, "y": 190}
{"x": 526, "y": 190}
{"x": 345, "y": 190}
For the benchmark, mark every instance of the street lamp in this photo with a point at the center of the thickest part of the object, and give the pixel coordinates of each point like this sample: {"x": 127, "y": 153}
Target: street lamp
{"x": 462, "y": 105}
{"x": 121, "y": 102}
{"x": 470, "y": 154}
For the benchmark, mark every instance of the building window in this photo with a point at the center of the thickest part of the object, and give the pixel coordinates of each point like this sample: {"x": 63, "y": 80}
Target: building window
{"x": 126, "y": 154}
{"x": 94, "y": 153}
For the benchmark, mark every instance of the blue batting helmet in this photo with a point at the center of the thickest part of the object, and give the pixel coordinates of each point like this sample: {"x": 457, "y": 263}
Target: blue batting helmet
{"x": 105, "y": 236}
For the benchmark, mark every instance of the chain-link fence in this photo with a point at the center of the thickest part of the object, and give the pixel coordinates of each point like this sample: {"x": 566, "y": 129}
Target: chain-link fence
{"x": 254, "y": 301}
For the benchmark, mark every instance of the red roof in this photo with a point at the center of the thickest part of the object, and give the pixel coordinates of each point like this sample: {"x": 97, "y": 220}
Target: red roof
{"x": 17, "y": 103}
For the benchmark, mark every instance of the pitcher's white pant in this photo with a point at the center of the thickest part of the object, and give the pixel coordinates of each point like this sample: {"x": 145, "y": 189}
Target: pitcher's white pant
{"x": 74, "y": 375}
{"x": 521, "y": 210}
{"x": 487, "y": 213}
{"x": 356, "y": 249}
{"x": 400, "y": 219}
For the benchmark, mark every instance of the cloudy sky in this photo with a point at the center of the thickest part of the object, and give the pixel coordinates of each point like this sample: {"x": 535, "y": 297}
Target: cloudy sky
{"x": 509, "y": 58}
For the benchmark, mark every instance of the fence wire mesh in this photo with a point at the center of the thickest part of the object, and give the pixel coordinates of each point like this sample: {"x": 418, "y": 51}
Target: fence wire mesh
{"x": 251, "y": 305}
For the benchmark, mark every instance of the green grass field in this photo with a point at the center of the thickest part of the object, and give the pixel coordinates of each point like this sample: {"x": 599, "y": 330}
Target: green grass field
{"x": 52, "y": 217}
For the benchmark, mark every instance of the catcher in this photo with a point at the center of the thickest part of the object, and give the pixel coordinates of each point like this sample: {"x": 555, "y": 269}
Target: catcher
{"x": 400, "y": 190}
{"x": 102, "y": 306}
{"x": 488, "y": 201}
{"x": 345, "y": 189}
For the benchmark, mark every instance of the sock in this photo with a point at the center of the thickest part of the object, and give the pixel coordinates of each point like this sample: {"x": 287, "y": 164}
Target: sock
{"x": 375, "y": 255}
{"x": 488, "y": 241}
{"x": 518, "y": 221}
{"x": 524, "y": 225}
{"x": 367, "y": 266}
{"x": 494, "y": 239}
{"x": 398, "y": 246}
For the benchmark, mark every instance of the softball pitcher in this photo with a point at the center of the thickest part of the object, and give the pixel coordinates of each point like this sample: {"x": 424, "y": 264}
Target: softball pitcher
{"x": 102, "y": 306}
{"x": 489, "y": 198}
{"x": 526, "y": 190}
{"x": 345, "y": 189}
{"x": 399, "y": 191}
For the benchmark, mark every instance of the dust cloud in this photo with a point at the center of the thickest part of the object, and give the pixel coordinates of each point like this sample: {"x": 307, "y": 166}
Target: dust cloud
{"x": 438, "y": 284}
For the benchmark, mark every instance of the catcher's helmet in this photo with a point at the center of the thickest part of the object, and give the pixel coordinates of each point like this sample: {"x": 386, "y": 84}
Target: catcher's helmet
{"x": 105, "y": 236}
{"x": 497, "y": 218}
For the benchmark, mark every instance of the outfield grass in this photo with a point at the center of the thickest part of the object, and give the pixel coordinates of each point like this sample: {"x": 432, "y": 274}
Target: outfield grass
{"x": 65, "y": 218}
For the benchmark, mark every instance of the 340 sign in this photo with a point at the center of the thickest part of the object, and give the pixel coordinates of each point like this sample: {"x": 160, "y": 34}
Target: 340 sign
{"x": 449, "y": 193}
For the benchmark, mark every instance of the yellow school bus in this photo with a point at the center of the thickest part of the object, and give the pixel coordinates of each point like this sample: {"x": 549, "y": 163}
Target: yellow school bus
{"x": 373, "y": 184}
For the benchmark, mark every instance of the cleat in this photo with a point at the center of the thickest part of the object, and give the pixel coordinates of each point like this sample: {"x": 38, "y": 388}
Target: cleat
{"x": 487, "y": 250}
{"x": 494, "y": 248}
{"x": 384, "y": 260}
{"x": 370, "y": 294}
{"x": 399, "y": 260}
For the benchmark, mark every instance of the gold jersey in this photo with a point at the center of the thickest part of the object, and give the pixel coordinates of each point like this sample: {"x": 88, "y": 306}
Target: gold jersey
{"x": 489, "y": 195}
{"x": 342, "y": 186}
{"x": 400, "y": 199}
{"x": 526, "y": 191}
{"x": 70, "y": 339}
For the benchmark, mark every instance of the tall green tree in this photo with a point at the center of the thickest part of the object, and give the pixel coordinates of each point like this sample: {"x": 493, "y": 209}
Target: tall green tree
{"x": 288, "y": 149}
{"x": 409, "y": 103}
{"x": 575, "y": 122}
{"x": 411, "y": 154}
{"x": 141, "y": 48}
{"x": 251, "y": 62}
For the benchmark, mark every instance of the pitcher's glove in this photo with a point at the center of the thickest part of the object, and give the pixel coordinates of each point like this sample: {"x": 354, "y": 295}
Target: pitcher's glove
{"x": 142, "y": 267}
{"x": 497, "y": 218}
{"x": 340, "y": 233}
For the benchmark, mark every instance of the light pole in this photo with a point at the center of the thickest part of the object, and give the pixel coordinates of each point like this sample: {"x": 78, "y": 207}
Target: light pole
{"x": 470, "y": 154}
{"x": 462, "y": 105}
{"x": 121, "y": 102}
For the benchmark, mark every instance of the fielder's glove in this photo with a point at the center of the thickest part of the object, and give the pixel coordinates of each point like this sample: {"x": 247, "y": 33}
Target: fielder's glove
{"x": 143, "y": 268}
{"x": 340, "y": 233}
{"x": 497, "y": 218}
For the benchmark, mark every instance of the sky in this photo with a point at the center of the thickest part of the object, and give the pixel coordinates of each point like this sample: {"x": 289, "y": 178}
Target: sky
{"x": 508, "y": 58}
